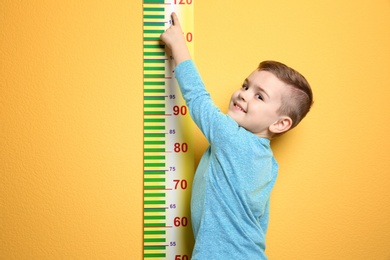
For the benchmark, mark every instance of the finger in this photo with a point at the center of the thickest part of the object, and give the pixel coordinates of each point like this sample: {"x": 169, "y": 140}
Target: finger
{"x": 175, "y": 19}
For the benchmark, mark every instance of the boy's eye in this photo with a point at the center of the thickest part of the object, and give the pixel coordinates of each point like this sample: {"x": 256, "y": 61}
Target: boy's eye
{"x": 259, "y": 96}
{"x": 245, "y": 87}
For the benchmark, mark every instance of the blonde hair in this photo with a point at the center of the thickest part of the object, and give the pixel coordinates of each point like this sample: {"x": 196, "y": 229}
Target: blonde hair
{"x": 298, "y": 99}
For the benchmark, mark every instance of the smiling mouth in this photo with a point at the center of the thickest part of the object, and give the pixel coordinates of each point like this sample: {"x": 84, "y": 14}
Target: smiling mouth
{"x": 238, "y": 107}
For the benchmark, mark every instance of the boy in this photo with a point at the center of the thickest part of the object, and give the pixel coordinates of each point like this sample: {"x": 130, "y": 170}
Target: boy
{"x": 233, "y": 181}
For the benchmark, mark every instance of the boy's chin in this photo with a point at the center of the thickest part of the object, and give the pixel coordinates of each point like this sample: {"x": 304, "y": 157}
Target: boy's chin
{"x": 231, "y": 113}
{"x": 234, "y": 115}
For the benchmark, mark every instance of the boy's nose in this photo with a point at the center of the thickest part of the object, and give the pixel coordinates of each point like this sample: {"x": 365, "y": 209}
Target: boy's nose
{"x": 243, "y": 96}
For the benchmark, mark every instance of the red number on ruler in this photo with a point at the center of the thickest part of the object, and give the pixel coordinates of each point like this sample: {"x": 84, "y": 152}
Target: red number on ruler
{"x": 182, "y": 2}
{"x": 180, "y": 147}
{"x": 183, "y": 184}
{"x": 189, "y": 37}
{"x": 180, "y": 222}
{"x": 179, "y": 110}
{"x": 181, "y": 257}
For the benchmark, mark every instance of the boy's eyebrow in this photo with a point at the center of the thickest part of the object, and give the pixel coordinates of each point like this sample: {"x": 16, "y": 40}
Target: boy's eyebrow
{"x": 259, "y": 87}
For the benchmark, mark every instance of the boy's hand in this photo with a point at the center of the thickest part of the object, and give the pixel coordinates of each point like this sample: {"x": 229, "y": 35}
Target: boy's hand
{"x": 173, "y": 38}
{"x": 174, "y": 35}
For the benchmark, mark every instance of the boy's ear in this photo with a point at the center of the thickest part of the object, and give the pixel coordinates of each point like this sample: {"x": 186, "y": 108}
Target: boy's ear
{"x": 281, "y": 125}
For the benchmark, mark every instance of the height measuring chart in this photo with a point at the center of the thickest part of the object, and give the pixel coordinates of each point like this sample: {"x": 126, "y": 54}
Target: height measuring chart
{"x": 168, "y": 144}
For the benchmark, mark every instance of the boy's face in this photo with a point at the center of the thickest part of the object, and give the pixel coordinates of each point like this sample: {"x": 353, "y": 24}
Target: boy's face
{"x": 255, "y": 105}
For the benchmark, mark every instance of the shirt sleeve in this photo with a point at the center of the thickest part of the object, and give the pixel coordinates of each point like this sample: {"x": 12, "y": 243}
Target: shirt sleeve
{"x": 205, "y": 114}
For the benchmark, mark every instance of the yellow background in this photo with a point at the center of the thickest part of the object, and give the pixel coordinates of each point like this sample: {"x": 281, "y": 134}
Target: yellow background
{"x": 71, "y": 123}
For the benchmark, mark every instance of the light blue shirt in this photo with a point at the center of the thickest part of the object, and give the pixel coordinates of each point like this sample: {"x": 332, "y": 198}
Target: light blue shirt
{"x": 233, "y": 181}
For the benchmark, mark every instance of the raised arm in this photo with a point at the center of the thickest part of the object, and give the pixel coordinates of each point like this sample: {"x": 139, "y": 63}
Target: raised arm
{"x": 202, "y": 109}
{"x": 174, "y": 40}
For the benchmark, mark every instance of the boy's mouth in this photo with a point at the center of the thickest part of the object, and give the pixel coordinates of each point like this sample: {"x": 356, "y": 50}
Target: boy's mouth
{"x": 238, "y": 107}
